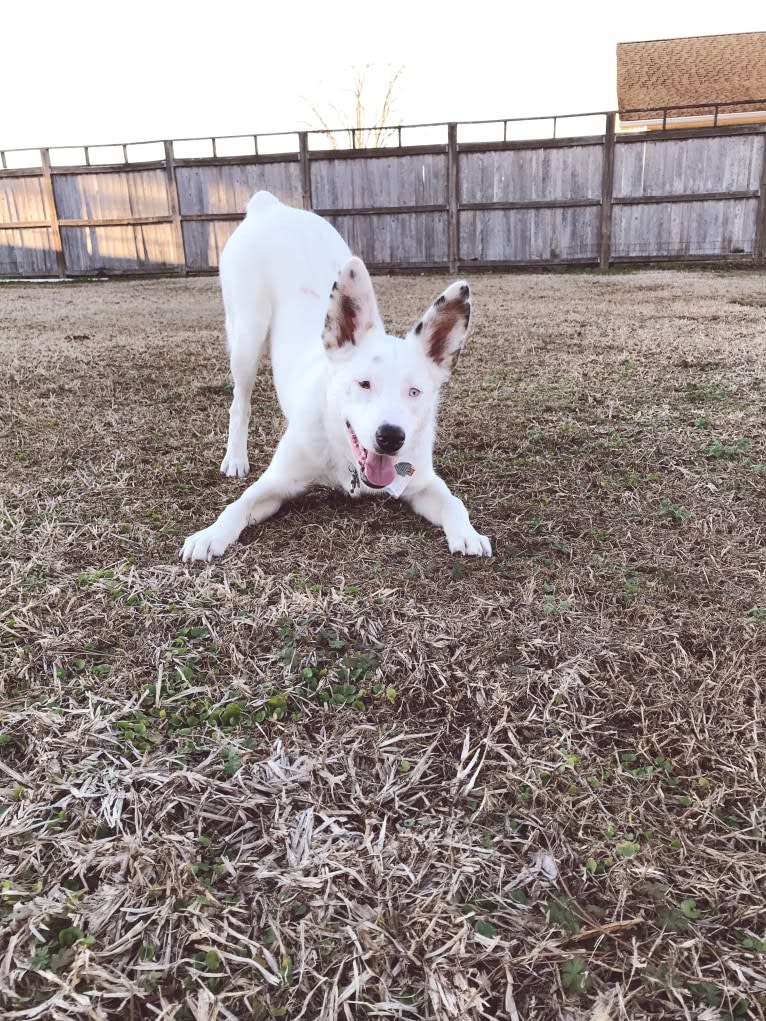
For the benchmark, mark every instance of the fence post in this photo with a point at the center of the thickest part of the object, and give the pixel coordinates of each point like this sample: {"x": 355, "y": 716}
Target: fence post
{"x": 452, "y": 197}
{"x": 303, "y": 150}
{"x": 174, "y": 206}
{"x": 759, "y": 242}
{"x": 607, "y": 188}
{"x": 53, "y": 213}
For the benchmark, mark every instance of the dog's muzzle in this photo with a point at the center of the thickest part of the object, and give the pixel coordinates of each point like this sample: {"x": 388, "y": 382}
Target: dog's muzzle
{"x": 377, "y": 469}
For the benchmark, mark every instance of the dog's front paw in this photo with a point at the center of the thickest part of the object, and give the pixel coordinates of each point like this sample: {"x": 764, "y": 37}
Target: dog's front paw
{"x": 469, "y": 543}
{"x": 205, "y": 545}
{"x": 235, "y": 467}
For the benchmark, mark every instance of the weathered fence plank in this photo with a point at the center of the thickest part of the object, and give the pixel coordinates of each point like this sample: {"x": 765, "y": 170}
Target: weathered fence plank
{"x": 303, "y": 149}
{"x": 94, "y": 196}
{"x": 595, "y": 200}
{"x": 607, "y": 193}
{"x": 683, "y": 230}
{"x": 27, "y": 253}
{"x": 179, "y": 257}
{"x": 50, "y": 202}
{"x": 759, "y": 244}
{"x": 683, "y": 166}
{"x": 204, "y": 241}
{"x": 453, "y": 199}
{"x": 26, "y": 250}
{"x": 22, "y": 199}
{"x": 530, "y": 236}
{"x": 226, "y": 188}
{"x": 531, "y": 175}
{"x": 378, "y": 180}
{"x": 405, "y": 240}
{"x": 147, "y": 248}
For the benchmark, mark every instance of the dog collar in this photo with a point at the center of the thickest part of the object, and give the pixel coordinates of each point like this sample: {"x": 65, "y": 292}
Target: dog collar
{"x": 404, "y": 472}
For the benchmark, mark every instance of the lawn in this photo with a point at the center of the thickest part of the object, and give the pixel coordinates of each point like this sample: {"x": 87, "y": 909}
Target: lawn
{"x": 339, "y": 773}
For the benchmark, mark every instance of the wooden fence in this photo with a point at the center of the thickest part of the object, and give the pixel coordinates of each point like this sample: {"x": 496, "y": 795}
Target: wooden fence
{"x": 591, "y": 200}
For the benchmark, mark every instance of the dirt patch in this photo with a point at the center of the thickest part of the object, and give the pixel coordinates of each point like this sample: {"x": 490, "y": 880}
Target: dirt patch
{"x": 339, "y": 773}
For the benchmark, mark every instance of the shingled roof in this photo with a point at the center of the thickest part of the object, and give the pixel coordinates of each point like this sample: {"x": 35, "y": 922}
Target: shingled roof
{"x": 698, "y": 70}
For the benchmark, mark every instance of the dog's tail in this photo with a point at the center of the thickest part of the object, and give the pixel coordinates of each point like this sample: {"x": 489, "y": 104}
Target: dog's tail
{"x": 261, "y": 201}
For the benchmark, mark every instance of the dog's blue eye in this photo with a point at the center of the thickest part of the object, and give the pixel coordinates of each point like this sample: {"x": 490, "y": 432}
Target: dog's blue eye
{"x": 365, "y": 384}
{"x": 414, "y": 392}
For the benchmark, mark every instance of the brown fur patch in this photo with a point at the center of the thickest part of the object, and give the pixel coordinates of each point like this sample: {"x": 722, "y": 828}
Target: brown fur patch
{"x": 342, "y": 320}
{"x": 445, "y": 318}
{"x": 349, "y": 310}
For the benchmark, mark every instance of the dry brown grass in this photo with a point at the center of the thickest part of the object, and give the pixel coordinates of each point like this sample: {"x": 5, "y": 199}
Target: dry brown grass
{"x": 339, "y": 774}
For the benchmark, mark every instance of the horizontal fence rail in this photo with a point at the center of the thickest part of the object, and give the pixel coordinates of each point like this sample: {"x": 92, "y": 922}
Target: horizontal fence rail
{"x": 426, "y": 197}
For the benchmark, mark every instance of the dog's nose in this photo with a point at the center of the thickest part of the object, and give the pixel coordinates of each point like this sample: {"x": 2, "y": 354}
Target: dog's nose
{"x": 389, "y": 438}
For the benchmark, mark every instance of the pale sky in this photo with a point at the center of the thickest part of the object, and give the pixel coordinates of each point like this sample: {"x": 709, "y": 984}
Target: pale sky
{"x": 96, "y": 72}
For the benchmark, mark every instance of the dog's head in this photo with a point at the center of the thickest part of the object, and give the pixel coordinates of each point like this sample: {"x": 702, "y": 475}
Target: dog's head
{"x": 385, "y": 388}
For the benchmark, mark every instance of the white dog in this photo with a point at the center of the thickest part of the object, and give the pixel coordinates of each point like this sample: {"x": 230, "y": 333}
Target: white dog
{"x": 360, "y": 405}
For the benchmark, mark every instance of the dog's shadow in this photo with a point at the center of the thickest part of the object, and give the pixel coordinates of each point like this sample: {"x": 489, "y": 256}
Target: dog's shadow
{"x": 320, "y": 508}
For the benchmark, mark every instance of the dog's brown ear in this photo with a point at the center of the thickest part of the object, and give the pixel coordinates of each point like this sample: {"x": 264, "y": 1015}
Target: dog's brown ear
{"x": 444, "y": 328}
{"x": 353, "y": 309}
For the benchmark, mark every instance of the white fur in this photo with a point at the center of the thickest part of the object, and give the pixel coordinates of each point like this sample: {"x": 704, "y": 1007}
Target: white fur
{"x": 278, "y": 273}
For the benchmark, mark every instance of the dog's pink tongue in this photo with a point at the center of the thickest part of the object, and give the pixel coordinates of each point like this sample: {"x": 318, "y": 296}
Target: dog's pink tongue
{"x": 380, "y": 469}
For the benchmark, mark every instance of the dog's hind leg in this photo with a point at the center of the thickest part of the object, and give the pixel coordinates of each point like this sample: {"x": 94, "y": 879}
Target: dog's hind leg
{"x": 247, "y": 339}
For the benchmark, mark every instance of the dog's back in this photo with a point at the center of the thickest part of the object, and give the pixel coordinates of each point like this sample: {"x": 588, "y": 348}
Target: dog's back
{"x": 277, "y": 271}
{"x": 278, "y": 252}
